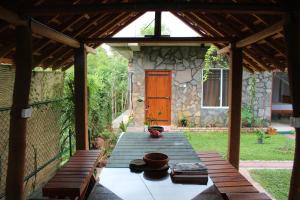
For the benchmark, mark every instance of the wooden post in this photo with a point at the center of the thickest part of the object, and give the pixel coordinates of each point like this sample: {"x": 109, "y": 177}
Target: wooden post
{"x": 157, "y": 26}
{"x": 17, "y": 130}
{"x": 235, "y": 103}
{"x": 292, "y": 33}
{"x": 81, "y": 112}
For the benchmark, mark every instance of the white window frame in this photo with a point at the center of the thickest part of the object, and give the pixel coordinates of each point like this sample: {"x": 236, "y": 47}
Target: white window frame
{"x": 221, "y": 91}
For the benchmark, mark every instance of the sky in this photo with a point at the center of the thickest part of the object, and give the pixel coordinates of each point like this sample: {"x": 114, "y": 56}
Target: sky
{"x": 175, "y": 25}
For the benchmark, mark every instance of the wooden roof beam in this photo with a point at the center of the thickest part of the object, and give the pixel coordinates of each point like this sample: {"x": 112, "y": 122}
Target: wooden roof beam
{"x": 38, "y": 28}
{"x": 275, "y": 28}
{"x": 207, "y": 7}
{"x": 158, "y": 40}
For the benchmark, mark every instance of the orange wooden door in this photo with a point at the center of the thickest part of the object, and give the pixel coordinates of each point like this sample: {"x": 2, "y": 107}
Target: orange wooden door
{"x": 158, "y": 97}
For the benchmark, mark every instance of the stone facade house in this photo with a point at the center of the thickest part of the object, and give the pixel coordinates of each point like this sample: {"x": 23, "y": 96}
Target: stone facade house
{"x": 167, "y": 82}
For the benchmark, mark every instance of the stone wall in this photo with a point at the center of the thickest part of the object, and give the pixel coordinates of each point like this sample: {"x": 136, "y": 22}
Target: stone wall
{"x": 263, "y": 93}
{"x": 186, "y": 64}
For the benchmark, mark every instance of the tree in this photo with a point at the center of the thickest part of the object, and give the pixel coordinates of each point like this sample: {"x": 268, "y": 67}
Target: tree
{"x": 148, "y": 29}
{"x": 107, "y": 91}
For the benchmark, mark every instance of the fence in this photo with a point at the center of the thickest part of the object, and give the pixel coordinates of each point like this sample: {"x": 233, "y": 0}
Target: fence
{"x": 47, "y": 146}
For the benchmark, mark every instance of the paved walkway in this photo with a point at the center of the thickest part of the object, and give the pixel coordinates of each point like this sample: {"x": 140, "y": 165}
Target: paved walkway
{"x": 266, "y": 164}
{"x": 245, "y": 166}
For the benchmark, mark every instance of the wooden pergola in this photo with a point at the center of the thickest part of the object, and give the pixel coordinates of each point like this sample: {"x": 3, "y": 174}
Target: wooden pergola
{"x": 259, "y": 36}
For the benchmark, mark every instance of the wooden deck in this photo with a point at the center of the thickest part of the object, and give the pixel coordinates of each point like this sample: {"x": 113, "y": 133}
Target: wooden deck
{"x": 136, "y": 145}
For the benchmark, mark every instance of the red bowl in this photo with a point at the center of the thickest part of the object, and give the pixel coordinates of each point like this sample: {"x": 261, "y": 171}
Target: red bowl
{"x": 154, "y": 133}
{"x": 156, "y": 160}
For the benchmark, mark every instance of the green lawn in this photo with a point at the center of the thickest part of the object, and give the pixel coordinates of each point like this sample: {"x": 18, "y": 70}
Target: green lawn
{"x": 278, "y": 147}
{"x": 276, "y": 182}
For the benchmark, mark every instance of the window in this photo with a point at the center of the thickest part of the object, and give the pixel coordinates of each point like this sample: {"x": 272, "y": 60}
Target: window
{"x": 215, "y": 89}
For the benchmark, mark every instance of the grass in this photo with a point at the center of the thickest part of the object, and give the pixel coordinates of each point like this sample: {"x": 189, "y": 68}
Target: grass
{"x": 276, "y": 182}
{"x": 278, "y": 147}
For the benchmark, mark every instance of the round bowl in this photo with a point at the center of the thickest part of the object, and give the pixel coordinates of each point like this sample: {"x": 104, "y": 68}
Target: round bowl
{"x": 158, "y": 128}
{"x": 156, "y": 160}
{"x": 154, "y": 133}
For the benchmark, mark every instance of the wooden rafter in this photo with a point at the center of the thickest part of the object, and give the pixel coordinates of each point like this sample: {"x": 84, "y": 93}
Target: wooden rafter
{"x": 230, "y": 30}
{"x": 275, "y": 28}
{"x": 38, "y": 28}
{"x": 113, "y": 29}
{"x": 81, "y": 29}
{"x": 158, "y": 6}
{"x": 158, "y": 40}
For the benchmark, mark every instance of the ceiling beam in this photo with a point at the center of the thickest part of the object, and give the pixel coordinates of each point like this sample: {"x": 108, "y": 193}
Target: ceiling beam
{"x": 7, "y": 61}
{"x": 158, "y": 40}
{"x": 271, "y": 30}
{"x": 39, "y": 28}
{"x": 157, "y": 6}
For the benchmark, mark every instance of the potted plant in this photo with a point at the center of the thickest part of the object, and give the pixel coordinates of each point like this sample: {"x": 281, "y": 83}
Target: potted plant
{"x": 152, "y": 123}
{"x": 261, "y": 136}
{"x": 183, "y": 122}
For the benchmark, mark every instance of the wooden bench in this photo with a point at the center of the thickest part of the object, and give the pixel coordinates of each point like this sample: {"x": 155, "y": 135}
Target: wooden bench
{"x": 76, "y": 178}
{"x": 228, "y": 180}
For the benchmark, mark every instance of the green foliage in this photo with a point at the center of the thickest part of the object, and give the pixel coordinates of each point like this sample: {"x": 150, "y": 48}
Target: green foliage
{"x": 107, "y": 92}
{"x": 275, "y": 181}
{"x": 184, "y": 121}
{"x": 124, "y": 125}
{"x": 148, "y": 29}
{"x": 212, "y": 58}
{"x": 110, "y": 140}
{"x": 247, "y": 116}
{"x": 287, "y": 147}
{"x": 261, "y": 136}
{"x": 250, "y": 150}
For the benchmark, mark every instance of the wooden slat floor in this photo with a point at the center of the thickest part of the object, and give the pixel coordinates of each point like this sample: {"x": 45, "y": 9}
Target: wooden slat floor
{"x": 229, "y": 182}
{"x": 136, "y": 145}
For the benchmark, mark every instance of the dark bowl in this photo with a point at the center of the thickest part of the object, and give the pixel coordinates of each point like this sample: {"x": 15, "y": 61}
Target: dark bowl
{"x": 158, "y": 128}
{"x": 156, "y": 160}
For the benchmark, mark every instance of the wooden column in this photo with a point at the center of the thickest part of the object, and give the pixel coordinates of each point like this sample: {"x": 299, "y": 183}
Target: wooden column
{"x": 235, "y": 103}
{"x": 292, "y": 33}
{"x": 157, "y": 26}
{"x": 17, "y": 130}
{"x": 81, "y": 112}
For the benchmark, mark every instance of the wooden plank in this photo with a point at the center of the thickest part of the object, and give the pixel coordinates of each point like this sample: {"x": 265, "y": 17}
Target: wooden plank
{"x": 81, "y": 112}
{"x": 157, "y": 6}
{"x": 40, "y": 29}
{"x": 235, "y": 104}
{"x": 17, "y": 130}
{"x": 224, "y": 175}
{"x": 157, "y": 40}
{"x": 11, "y": 17}
{"x": 220, "y": 179}
{"x": 292, "y": 32}
{"x": 215, "y": 171}
{"x": 242, "y": 189}
{"x": 247, "y": 196}
{"x": 233, "y": 184}
{"x": 221, "y": 167}
{"x": 271, "y": 30}
{"x": 121, "y": 156}
{"x": 218, "y": 162}
{"x": 157, "y": 24}
{"x": 212, "y": 159}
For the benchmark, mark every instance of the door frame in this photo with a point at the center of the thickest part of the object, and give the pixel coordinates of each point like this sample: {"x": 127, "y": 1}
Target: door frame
{"x": 146, "y": 97}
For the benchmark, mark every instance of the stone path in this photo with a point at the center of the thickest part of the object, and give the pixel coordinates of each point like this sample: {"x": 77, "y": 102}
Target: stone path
{"x": 266, "y": 164}
{"x": 245, "y": 166}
